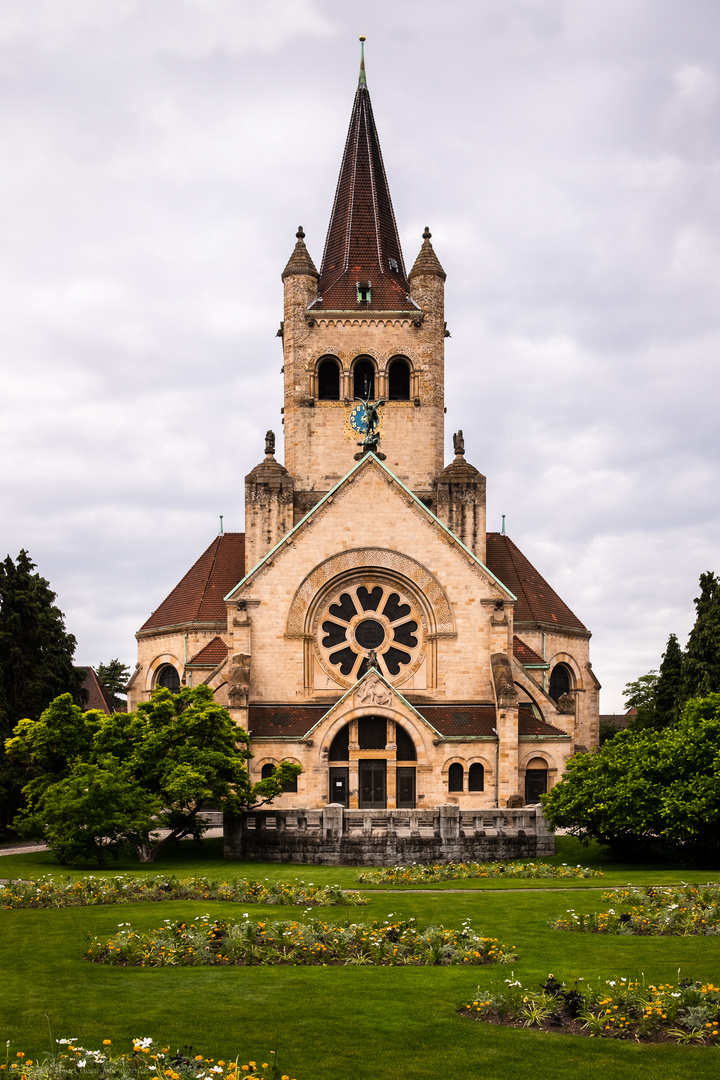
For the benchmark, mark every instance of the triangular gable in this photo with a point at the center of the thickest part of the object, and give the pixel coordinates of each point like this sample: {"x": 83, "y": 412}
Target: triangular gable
{"x": 368, "y": 460}
{"x": 370, "y": 678}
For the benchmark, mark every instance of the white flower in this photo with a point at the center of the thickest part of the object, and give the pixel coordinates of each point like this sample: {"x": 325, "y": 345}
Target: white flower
{"x": 81, "y": 1064}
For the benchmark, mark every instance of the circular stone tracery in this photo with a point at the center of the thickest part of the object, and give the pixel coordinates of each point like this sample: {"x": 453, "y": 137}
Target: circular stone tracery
{"x": 360, "y": 620}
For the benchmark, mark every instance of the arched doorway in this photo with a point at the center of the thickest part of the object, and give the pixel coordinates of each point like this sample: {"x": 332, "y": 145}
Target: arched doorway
{"x": 536, "y": 775}
{"x": 380, "y": 771}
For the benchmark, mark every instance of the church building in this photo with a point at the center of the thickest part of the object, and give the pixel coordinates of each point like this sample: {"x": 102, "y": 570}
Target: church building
{"x": 365, "y": 625}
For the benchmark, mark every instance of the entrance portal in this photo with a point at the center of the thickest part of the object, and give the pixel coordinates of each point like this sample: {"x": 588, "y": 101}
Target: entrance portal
{"x": 372, "y": 777}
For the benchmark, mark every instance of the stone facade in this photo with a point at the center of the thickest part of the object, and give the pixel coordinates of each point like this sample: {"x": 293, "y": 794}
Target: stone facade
{"x": 366, "y": 626}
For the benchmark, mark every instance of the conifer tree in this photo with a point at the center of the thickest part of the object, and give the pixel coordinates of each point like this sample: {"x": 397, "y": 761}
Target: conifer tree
{"x": 669, "y": 697}
{"x": 36, "y": 663}
{"x": 701, "y": 675}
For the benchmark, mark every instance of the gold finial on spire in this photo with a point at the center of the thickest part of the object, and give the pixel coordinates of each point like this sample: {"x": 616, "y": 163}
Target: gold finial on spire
{"x": 362, "y": 81}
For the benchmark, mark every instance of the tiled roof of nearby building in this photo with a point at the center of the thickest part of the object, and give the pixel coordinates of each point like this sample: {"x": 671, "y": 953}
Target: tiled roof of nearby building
{"x": 215, "y": 651}
{"x": 97, "y": 696}
{"x": 362, "y": 243}
{"x": 266, "y": 721}
{"x": 199, "y": 596}
{"x": 530, "y": 724}
{"x": 526, "y": 655}
{"x": 537, "y": 602}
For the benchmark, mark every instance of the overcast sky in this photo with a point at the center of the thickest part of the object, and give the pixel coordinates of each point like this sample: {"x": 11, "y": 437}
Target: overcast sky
{"x": 157, "y": 157}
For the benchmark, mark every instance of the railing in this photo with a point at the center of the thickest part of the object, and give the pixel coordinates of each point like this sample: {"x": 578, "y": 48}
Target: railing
{"x": 445, "y": 821}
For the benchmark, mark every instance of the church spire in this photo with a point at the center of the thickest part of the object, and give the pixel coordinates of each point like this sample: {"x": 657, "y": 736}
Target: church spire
{"x": 362, "y": 266}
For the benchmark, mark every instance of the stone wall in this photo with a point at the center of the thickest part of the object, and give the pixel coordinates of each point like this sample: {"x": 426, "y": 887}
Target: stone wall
{"x": 334, "y": 836}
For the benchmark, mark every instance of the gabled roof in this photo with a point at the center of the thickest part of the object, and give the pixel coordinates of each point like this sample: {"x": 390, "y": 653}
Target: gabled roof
{"x": 284, "y": 721}
{"x": 97, "y": 696}
{"x": 537, "y": 602}
{"x": 215, "y": 651}
{"x": 362, "y": 242}
{"x": 368, "y": 460}
{"x": 198, "y": 598}
{"x": 526, "y": 655}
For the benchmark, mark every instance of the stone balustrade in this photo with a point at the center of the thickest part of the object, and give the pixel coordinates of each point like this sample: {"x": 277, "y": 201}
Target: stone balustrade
{"x": 333, "y": 835}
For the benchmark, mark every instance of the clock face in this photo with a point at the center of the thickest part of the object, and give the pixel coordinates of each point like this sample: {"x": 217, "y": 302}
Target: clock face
{"x": 358, "y": 423}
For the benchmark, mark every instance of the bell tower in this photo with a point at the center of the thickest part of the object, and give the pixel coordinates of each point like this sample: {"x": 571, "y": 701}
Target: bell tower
{"x": 361, "y": 327}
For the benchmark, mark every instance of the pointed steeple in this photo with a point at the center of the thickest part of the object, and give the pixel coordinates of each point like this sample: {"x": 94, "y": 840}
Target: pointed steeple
{"x": 362, "y": 266}
{"x": 427, "y": 261}
{"x": 300, "y": 261}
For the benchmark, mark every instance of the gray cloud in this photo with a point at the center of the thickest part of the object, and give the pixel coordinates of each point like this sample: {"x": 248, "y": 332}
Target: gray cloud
{"x": 157, "y": 160}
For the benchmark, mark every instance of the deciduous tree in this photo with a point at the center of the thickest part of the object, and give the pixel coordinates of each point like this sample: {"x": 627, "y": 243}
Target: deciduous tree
{"x": 177, "y": 752}
{"x": 649, "y": 789}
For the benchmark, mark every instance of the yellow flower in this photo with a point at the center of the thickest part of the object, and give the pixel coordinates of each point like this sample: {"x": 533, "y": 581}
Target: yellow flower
{"x": 107, "y": 1042}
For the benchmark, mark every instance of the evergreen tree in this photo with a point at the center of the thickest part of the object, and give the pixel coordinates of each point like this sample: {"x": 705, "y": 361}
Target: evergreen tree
{"x": 701, "y": 675}
{"x": 36, "y": 663}
{"x": 669, "y": 697}
{"x": 113, "y": 676}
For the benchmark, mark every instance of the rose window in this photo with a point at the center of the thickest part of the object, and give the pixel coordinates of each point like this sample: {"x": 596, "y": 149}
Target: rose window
{"x": 370, "y": 625}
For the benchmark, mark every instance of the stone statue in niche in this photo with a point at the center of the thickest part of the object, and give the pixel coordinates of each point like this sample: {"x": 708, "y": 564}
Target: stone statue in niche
{"x": 239, "y": 679}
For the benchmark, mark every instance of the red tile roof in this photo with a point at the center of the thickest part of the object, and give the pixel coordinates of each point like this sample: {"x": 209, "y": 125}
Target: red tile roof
{"x": 524, "y": 653}
{"x": 199, "y": 596}
{"x": 529, "y": 724}
{"x": 286, "y": 721}
{"x": 460, "y": 719}
{"x": 294, "y": 721}
{"x": 215, "y": 651}
{"x": 98, "y": 696}
{"x": 537, "y": 602}
{"x": 362, "y": 242}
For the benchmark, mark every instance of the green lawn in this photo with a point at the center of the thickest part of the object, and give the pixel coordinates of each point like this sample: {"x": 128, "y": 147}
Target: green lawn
{"x": 341, "y": 1023}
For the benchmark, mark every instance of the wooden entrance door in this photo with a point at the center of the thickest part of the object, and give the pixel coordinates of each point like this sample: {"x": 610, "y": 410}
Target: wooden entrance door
{"x": 372, "y": 779}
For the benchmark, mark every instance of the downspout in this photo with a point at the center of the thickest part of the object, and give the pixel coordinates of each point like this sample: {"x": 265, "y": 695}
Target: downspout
{"x": 185, "y": 672}
{"x": 544, "y": 661}
{"x": 497, "y": 767}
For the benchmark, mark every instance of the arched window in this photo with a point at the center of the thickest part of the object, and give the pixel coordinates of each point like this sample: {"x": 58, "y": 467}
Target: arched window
{"x": 399, "y": 380}
{"x": 560, "y": 681}
{"x": 329, "y": 381}
{"x": 455, "y": 777}
{"x": 372, "y": 733}
{"x": 364, "y": 379}
{"x": 476, "y": 777}
{"x": 290, "y": 786}
{"x": 405, "y": 745}
{"x": 267, "y": 771}
{"x": 168, "y": 677}
{"x": 340, "y": 746}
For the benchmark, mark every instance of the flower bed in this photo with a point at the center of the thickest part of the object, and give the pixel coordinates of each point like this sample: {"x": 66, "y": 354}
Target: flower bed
{"x": 417, "y": 874}
{"x": 49, "y": 891}
{"x": 614, "y": 1009}
{"x": 688, "y": 909}
{"x": 145, "y": 1062}
{"x": 209, "y": 942}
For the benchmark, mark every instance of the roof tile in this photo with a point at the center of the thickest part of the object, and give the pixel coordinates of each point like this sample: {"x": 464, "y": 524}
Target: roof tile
{"x": 215, "y": 651}
{"x": 524, "y": 653}
{"x": 362, "y": 242}
{"x": 199, "y": 597}
{"x": 537, "y": 602}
